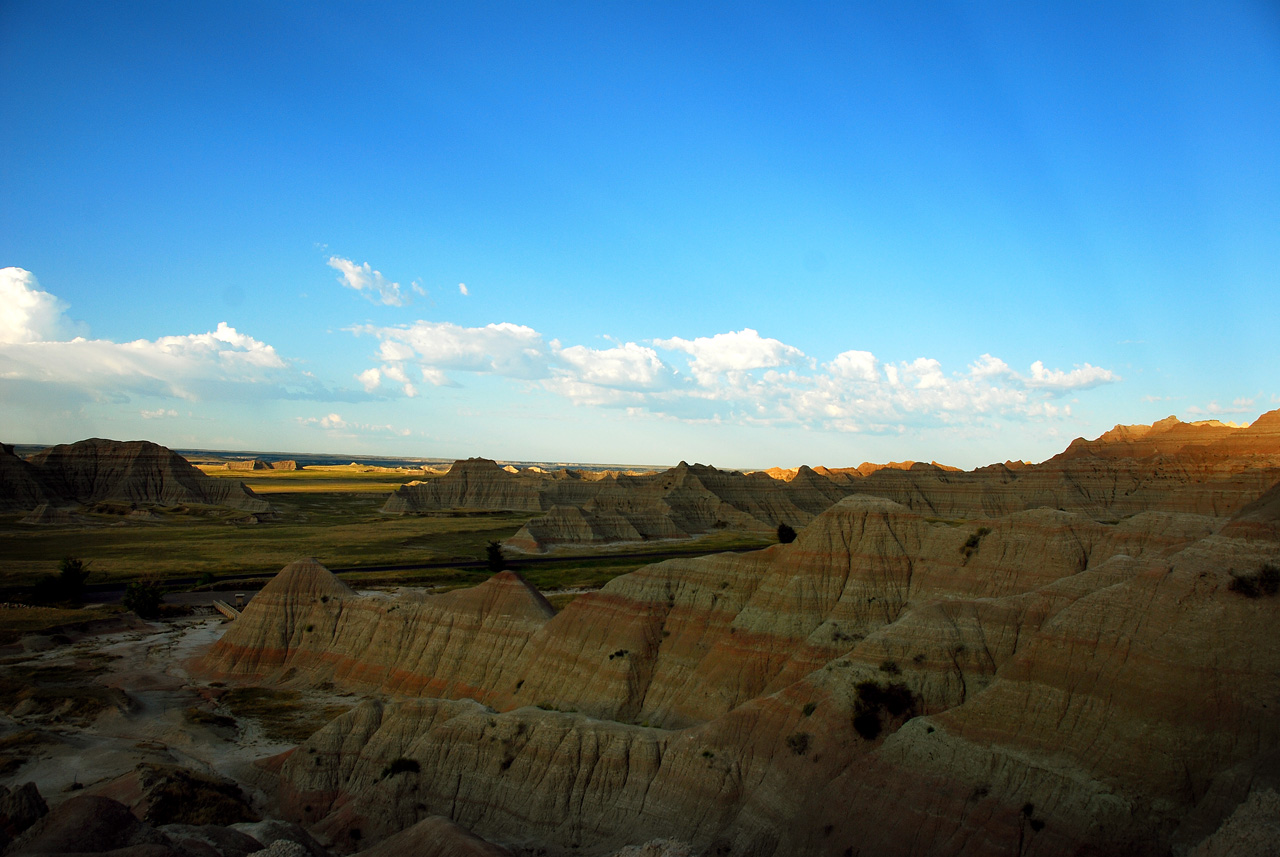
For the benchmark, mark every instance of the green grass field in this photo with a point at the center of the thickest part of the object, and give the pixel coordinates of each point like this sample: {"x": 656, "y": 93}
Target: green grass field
{"x": 329, "y": 513}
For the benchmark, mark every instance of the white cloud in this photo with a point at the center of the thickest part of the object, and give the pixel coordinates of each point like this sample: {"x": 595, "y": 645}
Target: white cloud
{"x": 626, "y": 367}
{"x": 462, "y": 289}
{"x": 737, "y": 351}
{"x": 987, "y": 366}
{"x": 734, "y": 377}
{"x": 221, "y": 364}
{"x": 159, "y": 414}
{"x": 511, "y": 350}
{"x": 369, "y": 282}
{"x": 335, "y": 424}
{"x": 1238, "y": 406}
{"x": 1079, "y": 378}
{"x": 187, "y": 367}
{"x": 27, "y": 313}
{"x": 854, "y": 366}
{"x": 370, "y": 379}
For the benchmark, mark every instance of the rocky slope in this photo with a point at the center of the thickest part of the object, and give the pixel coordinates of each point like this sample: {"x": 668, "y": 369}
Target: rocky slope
{"x": 1200, "y": 468}
{"x": 1203, "y": 468}
{"x": 97, "y": 470}
{"x": 1037, "y": 682}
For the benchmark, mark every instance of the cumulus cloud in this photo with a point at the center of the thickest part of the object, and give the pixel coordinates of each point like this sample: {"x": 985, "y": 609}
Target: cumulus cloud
{"x": 732, "y": 353}
{"x": 738, "y": 376}
{"x": 1240, "y": 405}
{"x": 335, "y": 424}
{"x": 1079, "y": 378}
{"x": 219, "y": 364}
{"x": 462, "y": 289}
{"x": 370, "y": 283}
{"x": 510, "y": 350}
{"x": 625, "y": 367}
{"x": 28, "y": 313}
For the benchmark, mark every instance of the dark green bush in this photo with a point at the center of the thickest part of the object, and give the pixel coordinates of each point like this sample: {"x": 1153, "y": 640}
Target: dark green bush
{"x": 786, "y": 535}
{"x": 402, "y": 765}
{"x": 867, "y": 724}
{"x": 493, "y": 556}
{"x": 798, "y": 742}
{"x": 143, "y": 597}
{"x": 972, "y": 543}
{"x": 873, "y": 699}
{"x": 1264, "y": 581}
{"x": 67, "y": 587}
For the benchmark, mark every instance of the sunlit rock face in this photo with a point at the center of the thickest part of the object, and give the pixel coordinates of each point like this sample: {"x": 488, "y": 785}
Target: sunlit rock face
{"x": 1201, "y": 468}
{"x": 890, "y": 683}
{"x": 97, "y": 470}
{"x": 479, "y": 483}
{"x": 1197, "y": 468}
{"x": 310, "y": 624}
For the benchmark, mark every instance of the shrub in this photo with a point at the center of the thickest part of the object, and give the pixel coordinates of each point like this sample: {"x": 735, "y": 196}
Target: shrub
{"x": 1264, "y": 581}
{"x": 67, "y": 587}
{"x": 493, "y": 556}
{"x": 896, "y": 699}
{"x": 402, "y": 765}
{"x": 971, "y": 544}
{"x": 798, "y": 742}
{"x": 786, "y": 535}
{"x": 809, "y": 708}
{"x": 867, "y": 724}
{"x": 890, "y": 667}
{"x": 143, "y": 597}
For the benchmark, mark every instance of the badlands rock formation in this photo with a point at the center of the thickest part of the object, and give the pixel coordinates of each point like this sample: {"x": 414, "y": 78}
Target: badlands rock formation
{"x": 600, "y": 507}
{"x": 1030, "y": 682}
{"x": 1205, "y": 468}
{"x": 1201, "y": 468}
{"x": 257, "y": 464}
{"x": 96, "y": 471}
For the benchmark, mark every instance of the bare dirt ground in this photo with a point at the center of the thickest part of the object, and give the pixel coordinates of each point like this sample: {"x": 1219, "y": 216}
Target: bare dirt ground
{"x": 79, "y": 713}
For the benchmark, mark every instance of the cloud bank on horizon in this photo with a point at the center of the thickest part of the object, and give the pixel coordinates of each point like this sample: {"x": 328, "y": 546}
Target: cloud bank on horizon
{"x": 730, "y": 377}
{"x": 221, "y": 364}
{"x": 737, "y": 376}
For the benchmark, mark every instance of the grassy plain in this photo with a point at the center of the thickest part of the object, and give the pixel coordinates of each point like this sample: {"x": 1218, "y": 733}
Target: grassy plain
{"x": 331, "y": 513}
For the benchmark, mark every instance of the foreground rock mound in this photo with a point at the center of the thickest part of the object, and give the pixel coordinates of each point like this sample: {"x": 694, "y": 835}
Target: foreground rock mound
{"x": 1036, "y": 682}
{"x": 92, "y": 824}
{"x": 108, "y": 471}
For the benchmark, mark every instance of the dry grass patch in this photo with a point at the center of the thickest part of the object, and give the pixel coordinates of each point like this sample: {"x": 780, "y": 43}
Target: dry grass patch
{"x": 284, "y": 715}
{"x": 17, "y": 621}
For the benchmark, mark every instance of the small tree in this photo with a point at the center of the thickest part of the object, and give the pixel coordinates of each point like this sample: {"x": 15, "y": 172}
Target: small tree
{"x": 493, "y": 555}
{"x": 786, "y": 535}
{"x": 67, "y": 587}
{"x": 143, "y": 597}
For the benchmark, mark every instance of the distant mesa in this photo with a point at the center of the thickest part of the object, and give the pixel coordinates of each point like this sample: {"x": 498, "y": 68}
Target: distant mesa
{"x": 135, "y": 473}
{"x": 1205, "y": 468}
{"x": 256, "y": 464}
{"x": 598, "y": 507}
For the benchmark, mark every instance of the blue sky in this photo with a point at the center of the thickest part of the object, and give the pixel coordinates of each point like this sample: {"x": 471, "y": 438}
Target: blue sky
{"x": 746, "y": 235}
